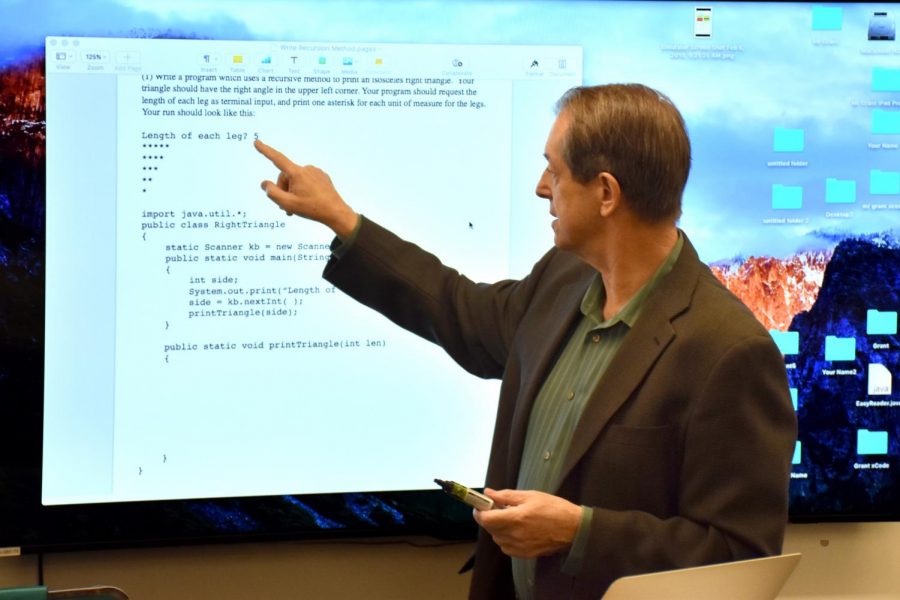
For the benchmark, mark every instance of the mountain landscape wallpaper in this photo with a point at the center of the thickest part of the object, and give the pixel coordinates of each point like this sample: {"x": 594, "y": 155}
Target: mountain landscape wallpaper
{"x": 817, "y": 295}
{"x": 820, "y": 289}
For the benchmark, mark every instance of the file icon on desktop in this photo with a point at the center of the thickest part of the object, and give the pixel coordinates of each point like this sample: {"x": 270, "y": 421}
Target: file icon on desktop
{"x": 827, "y": 18}
{"x": 840, "y": 191}
{"x": 879, "y": 380}
{"x": 885, "y": 121}
{"x": 787, "y": 197}
{"x": 885, "y": 80}
{"x": 884, "y": 183}
{"x": 881, "y": 322}
{"x": 871, "y": 442}
{"x": 787, "y": 341}
{"x": 788, "y": 140}
{"x": 840, "y": 348}
{"x": 798, "y": 449}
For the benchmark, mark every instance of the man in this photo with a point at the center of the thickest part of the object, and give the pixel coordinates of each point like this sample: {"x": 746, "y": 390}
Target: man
{"x": 644, "y": 420}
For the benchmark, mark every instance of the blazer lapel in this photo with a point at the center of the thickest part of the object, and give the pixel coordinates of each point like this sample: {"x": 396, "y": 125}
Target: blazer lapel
{"x": 644, "y": 343}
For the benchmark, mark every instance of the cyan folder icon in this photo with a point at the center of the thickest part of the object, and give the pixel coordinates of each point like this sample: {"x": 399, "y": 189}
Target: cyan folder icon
{"x": 798, "y": 449}
{"x": 787, "y": 341}
{"x": 885, "y": 80}
{"x": 794, "y": 398}
{"x": 881, "y": 322}
{"x": 787, "y": 197}
{"x": 884, "y": 183}
{"x": 871, "y": 442}
{"x": 787, "y": 140}
{"x": 840, "y": 348}
{"x": 827, "y": 18}
{"x": 840, "y": 191}
{"x": 885, "y": 121}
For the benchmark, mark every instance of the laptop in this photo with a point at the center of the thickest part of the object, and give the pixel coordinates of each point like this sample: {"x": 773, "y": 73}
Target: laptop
{"x": 755, "y": 579}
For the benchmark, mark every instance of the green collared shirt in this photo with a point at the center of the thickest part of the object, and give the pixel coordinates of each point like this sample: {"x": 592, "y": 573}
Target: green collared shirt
{"x": 562, "y": 398}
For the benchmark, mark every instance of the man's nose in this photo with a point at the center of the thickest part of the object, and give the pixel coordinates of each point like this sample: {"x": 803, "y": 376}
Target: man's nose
{"x": 543, "y": 187}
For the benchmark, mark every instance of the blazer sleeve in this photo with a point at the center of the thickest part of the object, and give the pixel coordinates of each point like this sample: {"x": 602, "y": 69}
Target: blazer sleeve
{"x": 473, "y": 322}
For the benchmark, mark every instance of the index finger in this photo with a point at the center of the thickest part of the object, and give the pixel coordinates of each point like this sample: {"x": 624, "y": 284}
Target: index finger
{"x": 278, "y": 159}
{"x": 507, "y": 497}
{"x": 495, "y": 520}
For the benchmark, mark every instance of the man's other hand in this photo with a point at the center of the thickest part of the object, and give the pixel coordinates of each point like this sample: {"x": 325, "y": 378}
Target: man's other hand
{"x": 531, "y": 524}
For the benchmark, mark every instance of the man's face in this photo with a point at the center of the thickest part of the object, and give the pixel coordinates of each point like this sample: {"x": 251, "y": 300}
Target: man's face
{"x": 576, "y": 206}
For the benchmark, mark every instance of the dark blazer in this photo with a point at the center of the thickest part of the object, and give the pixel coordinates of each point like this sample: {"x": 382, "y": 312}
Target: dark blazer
{"x": 683, "y": 451}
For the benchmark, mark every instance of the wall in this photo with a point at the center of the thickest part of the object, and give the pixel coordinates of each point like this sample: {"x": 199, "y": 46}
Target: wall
{"x": 857, "y": 561}
{"x": 377, "y": 570}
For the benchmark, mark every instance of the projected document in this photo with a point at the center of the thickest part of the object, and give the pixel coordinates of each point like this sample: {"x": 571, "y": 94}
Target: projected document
{"x": 226, "y": 365}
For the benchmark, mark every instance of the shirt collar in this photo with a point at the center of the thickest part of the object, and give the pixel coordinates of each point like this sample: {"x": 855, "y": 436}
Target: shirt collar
{"x": 595, "y": 296}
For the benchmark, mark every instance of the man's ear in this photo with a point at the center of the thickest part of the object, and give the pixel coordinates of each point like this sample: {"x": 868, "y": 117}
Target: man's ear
{"x": 609, "y": 193}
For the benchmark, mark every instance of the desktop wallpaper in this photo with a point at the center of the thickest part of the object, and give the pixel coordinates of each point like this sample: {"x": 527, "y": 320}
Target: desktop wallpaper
{"x": 793, "y": 200}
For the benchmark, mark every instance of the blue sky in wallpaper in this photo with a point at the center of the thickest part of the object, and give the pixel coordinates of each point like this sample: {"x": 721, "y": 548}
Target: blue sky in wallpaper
{"x": 764, "y": 67}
